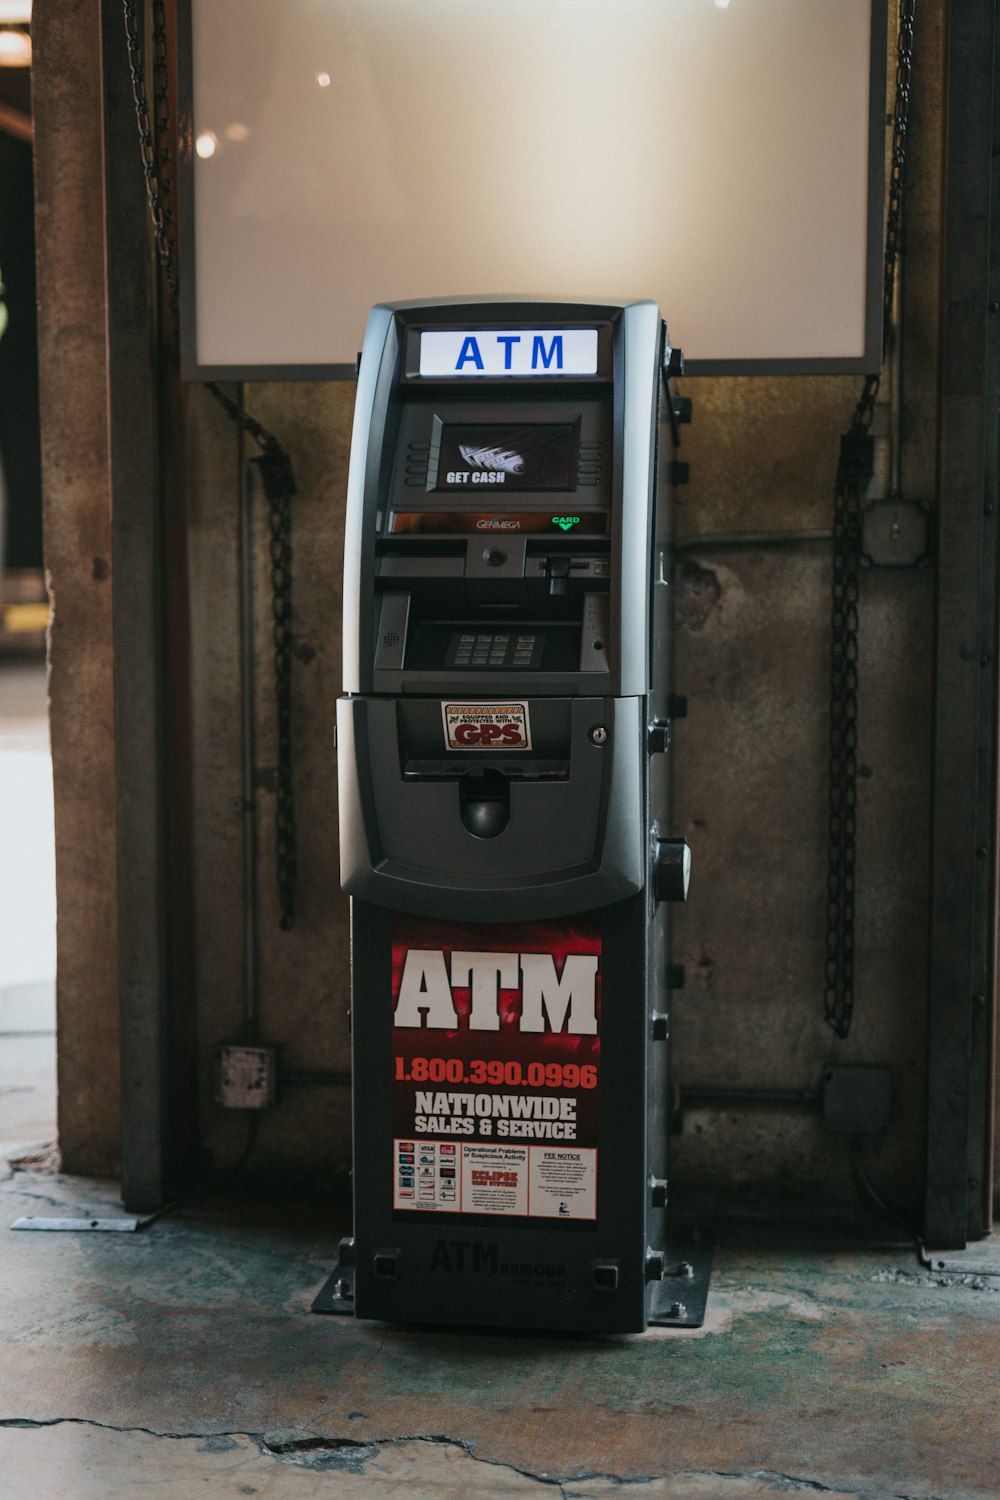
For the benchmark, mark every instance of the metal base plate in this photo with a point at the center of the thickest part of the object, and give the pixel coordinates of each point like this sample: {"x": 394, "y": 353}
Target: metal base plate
{"x": 982, "y": 1258}
{"x": 89, "y": 1226}
{"x": 337, "y": 1293}
{"x": 678, "y": 1301}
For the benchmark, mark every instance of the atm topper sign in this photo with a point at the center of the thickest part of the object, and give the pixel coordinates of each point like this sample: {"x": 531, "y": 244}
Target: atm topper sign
{"x": 489, "y": 352}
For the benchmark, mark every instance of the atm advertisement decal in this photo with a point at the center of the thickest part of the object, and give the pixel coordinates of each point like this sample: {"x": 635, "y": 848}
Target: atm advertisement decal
{"x": 486, "y": 726}
{"x": 496, "y": 1067}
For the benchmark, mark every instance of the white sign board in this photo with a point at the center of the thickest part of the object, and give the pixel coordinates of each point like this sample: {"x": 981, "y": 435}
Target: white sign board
{"x": 724, "y": 159}
{"x": 528, "y": 351}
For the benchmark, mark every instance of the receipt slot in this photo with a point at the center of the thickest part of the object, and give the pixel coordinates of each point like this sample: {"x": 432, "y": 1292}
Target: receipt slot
{"x": 502, "y": 755}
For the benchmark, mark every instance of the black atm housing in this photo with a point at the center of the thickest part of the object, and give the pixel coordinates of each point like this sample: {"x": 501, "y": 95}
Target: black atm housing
{"x": 503, "y": 793}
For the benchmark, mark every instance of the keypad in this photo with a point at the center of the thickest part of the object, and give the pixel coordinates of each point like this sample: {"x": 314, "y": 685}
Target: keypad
{"x": 480, "y": 651}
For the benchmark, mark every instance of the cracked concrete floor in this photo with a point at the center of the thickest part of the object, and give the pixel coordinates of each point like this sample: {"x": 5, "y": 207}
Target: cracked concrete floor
{"x": 184, "y": 1359}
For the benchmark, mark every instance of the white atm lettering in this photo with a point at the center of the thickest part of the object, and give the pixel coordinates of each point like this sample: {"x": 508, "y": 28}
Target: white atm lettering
{"x": 543, "y": 994}
{"x": 549, "y": 1001}
{"x": 488, "y": 974}
{"x": 424, "y": 991}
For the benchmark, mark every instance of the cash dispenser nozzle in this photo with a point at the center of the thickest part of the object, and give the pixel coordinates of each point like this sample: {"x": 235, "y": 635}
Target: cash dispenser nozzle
{"x": 484, "y": 802}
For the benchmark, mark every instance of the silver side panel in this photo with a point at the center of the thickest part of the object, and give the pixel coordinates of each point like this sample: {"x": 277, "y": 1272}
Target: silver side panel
{"x": 641, "y": 334}
{"x": 376, "y": 334}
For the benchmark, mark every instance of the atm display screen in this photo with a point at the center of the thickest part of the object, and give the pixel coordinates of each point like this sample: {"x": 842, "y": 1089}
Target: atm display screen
{"x": 490, "y": 455}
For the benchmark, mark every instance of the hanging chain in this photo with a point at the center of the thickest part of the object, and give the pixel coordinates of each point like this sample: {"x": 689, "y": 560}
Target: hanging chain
{"x": 278, "y": 479}
{"x": 279, "y": 487}
{"x": 274, "y": 462}
{"x": 854, "y": 470}
{"x": 155, "y": 158}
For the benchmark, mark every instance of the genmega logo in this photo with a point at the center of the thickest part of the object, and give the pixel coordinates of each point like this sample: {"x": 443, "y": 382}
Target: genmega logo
{"x": 498, "y": 523}
{"x": 500, "y": 460}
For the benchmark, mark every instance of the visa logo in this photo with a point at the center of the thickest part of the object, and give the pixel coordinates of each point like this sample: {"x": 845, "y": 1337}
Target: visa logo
{"x": 523, "y": 351}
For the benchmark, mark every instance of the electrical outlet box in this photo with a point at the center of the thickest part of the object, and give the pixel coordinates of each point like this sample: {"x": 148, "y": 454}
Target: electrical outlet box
{"x": 856, "y": 1100}
{"x": 246, "y": 1077}
{"x": 894, "y": 534}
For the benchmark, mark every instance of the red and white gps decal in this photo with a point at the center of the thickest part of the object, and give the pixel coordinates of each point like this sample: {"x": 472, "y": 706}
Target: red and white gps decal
{"x": 496, "y": 1067}
{"x": 486, "y": 726}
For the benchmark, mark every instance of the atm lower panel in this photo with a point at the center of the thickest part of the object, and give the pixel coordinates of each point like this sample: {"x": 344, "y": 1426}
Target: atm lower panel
{"x": 510, "y": 1121}
{"x": 677, "y": 1300}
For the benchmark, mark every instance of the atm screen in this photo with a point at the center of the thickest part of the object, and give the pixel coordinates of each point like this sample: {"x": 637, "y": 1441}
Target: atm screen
{"x": 472, "y": 458}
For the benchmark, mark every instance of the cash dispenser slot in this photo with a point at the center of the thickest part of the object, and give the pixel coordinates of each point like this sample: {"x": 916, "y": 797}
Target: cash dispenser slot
{"x": 484, "y": 802}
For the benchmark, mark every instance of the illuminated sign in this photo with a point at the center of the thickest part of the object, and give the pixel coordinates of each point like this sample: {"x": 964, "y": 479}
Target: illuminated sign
{"x": 520, "y": 351}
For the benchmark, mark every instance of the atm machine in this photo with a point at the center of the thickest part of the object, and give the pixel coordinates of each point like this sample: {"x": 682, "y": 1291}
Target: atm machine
{"x": 503, "y": 742}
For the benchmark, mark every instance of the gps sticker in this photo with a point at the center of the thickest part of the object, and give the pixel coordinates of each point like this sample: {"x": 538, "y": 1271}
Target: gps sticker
{"x": 486, "y": 726}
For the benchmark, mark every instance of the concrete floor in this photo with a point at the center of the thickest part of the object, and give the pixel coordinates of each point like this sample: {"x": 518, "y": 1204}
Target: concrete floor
{"x": 184, "y": 1360}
